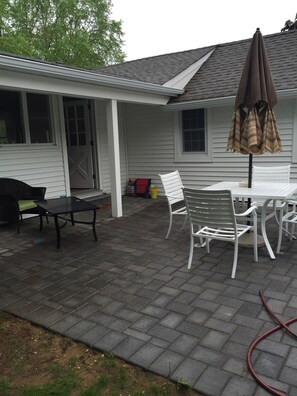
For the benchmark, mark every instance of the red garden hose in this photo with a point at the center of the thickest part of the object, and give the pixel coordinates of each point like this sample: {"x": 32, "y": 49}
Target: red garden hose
{"x": 281, "y": 325}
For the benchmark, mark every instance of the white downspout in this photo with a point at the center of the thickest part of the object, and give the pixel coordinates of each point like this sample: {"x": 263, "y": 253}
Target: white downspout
{"x": 114, "y": 158}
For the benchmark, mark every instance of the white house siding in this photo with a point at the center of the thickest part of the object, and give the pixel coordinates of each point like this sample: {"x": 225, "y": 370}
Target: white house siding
{"x": 37, "y": 165}
{"x": 102, "y": 144}
{"x": 150, "y": 141}
{"x": 150, "y": 146}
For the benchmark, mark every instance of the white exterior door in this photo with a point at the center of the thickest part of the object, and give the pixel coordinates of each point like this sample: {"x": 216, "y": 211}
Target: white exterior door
{"x": 79, "y": 144}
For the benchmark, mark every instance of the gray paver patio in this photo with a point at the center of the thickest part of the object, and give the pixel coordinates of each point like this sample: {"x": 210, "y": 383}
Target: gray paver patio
{"x": 131, "y": 294}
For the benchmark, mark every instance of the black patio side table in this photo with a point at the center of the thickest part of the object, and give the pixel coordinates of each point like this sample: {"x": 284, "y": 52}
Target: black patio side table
{"x": 58, "y": 208}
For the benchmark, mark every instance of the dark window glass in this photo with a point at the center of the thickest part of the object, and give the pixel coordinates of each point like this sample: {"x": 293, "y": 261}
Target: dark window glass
{"x": 73, "y": 139}
{"x": 82, "y": 139}
{"x": 11, "y": 122}
{"x": 39, "y": 118}
{"x": 193, "y": 131}
{"x": 80, "y": 111}
{"x": 81, "y": 125}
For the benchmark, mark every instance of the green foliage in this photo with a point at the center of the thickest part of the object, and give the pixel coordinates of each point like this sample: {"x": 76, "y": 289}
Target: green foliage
{"x": 182, "y": 384}
{"x": 122, "y": 378}
{"x": 77, "y": 33}
{"x": 109, "y": 361}
{"x": 4, "y": 387}
{"x": 95, "y": 388}
{"x": 65, "y": 380}
{"x": 61, "y": 387}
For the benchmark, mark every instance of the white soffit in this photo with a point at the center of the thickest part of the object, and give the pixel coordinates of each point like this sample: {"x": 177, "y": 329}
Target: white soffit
{"x": 182, "y": 79}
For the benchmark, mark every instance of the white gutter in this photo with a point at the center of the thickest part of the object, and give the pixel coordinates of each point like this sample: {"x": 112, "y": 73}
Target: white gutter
{"x": 219, "y": 102}
{"x": 216, "y": 102}
{"x": 65, "y": 73}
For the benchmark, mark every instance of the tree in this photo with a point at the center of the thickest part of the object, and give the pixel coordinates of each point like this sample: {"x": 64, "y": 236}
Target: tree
{"x": 77, "y": 33}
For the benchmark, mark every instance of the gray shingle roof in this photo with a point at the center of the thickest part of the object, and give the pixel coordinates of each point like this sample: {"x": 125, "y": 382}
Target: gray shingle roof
{"x": 219, "y": 76}
{"x": 156, "y": 69}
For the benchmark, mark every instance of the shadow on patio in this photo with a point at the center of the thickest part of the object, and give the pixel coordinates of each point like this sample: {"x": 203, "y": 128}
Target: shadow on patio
{"x": 131, "y": 294}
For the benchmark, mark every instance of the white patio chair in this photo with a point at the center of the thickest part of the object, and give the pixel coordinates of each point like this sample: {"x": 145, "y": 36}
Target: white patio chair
{"x": 275, "y": 174}
{"x": 212, "y": 216}
{"x": 289, "y": 218}
{"x": 172, "y": 185}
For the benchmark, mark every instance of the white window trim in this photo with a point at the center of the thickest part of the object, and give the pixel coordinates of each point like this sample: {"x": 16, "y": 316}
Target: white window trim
{"x": 180, "y": 156}
{"x": 294, "y": 150}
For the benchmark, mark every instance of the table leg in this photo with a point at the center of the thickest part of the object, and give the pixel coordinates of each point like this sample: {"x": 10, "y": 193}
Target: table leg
{"x": 40, "y": 222}
{"x": 263, "y": 229}
{"x": 72, "y": 218}
{"x": 94, "y": 223}
{"x": 57, "y": 231}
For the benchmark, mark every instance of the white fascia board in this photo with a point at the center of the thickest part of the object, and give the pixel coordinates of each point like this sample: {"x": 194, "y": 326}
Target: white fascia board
{"x": 219, "y": 102}
{"x": 34, "y": 83}
{"x": 65, "y": 73}
{"x": 182, "y": 79}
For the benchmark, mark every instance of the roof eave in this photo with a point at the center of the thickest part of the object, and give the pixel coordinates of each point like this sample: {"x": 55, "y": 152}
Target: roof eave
{"x": 84, "y": 76}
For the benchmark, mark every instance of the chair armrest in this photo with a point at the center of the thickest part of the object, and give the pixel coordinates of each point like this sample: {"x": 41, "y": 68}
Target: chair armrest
{"x": 251, "y": 209}
{"x": 291, "y": 202}
{"x": 175, "y": 197}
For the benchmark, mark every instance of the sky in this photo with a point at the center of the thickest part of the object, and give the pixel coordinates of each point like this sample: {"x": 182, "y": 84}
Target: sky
{"x": 155, "y": 27}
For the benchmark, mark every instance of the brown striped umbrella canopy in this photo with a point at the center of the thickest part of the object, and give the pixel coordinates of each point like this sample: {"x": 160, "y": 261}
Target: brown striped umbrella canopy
{"x": 254, "y": 129}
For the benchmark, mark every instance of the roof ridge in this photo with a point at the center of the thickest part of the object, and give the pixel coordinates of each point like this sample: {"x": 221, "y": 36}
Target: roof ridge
{"x": 249, "y": 39}
{"x": 210, "y": 47}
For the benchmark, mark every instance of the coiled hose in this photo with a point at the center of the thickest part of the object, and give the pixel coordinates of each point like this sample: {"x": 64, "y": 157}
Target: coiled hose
{"x": 281, "y": 325}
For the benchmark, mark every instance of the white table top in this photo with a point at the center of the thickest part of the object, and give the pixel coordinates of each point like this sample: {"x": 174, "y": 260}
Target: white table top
{"x": 258, "y": 190}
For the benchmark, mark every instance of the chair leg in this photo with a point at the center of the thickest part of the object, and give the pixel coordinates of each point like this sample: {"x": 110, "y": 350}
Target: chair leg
{"x": 293, "y": 225}
{"x": 170, "y": 225}
{"x": 235, "y": 258}
{"x": 280, "y": 231}
{"x": 255, "y": 233}
{"x": 207, "y": 245}
{"x": 191, "y": 251}
{"x": 40, "y": 222}
{"x": 185, "y": 222}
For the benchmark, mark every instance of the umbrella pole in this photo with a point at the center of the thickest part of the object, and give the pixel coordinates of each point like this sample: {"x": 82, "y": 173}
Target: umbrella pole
{"x": 246, "y": 239}
{"x": 250, "y": 176}
{"x": 250, "y": 170}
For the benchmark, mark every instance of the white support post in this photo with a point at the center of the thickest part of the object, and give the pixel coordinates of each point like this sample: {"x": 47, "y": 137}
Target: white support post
{"x": 114, "y": 158}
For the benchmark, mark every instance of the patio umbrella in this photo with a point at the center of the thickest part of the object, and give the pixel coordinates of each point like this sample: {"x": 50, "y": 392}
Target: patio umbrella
{"x": 254, "y": 129}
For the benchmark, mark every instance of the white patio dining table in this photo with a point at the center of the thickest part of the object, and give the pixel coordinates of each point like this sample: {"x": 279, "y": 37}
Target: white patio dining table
{"x": 259, "y": 191}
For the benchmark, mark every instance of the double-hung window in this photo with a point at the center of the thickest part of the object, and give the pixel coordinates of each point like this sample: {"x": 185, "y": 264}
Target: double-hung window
{"x": 25, "y": 118}
{"x": 192, "y": 140}
{"x": 193, "y": 131}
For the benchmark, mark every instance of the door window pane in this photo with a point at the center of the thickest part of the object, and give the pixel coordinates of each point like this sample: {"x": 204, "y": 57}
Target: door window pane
{"x": 39, "y": 118}
{"x": 81, "y": 125}
{"x": 11, "y": 122}
{"x": 73, "y": 139}
{"x": 82, "y": 139}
